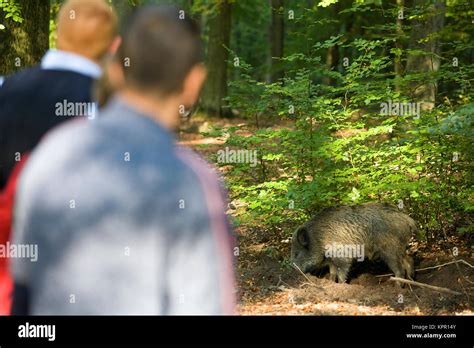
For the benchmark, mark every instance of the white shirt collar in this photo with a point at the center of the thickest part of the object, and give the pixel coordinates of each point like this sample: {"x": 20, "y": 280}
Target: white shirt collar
{"x": 62, "y": 60}
{"x": 1, "y": 80}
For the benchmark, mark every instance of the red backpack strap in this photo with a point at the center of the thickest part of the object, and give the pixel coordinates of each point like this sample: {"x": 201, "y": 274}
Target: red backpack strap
{"x": 7, "y": 197}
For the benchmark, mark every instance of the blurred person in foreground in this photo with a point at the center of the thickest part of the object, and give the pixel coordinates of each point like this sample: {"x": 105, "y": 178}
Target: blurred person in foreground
{"x": 126, "y": 221}
{"x": 35, "y": 100}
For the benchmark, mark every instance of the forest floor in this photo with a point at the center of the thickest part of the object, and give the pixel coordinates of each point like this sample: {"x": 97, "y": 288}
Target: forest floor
{"x": 268, "y": 285}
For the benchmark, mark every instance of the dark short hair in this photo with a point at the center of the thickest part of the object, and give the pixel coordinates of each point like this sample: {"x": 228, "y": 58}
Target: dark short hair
{"x": 161, "y": 48}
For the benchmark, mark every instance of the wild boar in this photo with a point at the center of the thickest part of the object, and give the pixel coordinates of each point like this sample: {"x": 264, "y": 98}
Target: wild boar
{"x": 338, "y": 235}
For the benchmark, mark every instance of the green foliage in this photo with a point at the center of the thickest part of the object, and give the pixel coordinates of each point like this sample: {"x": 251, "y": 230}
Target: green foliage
{"x": 55, "y": 6}
{"x": 12, "y": 10}
{"x": 334, "y": 145}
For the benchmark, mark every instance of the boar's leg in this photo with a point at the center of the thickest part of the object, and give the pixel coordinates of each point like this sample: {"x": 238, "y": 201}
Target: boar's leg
{"x": 395, "y": 264}
{"x": 409, "y": 267}
{"x": 339, "y": 269}
{"x": 332, "y": 272}
{"x": 343, "y": 270}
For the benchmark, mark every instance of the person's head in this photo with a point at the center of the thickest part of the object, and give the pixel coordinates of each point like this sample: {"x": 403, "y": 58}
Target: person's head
{"x": 87, "y": 28}
{"x": 160, "y": 58}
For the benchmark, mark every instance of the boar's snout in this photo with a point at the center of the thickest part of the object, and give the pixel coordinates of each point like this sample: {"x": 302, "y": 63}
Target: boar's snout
{"x": 300, "y": 251}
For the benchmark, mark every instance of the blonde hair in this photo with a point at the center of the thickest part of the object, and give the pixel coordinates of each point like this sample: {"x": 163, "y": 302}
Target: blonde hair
{"x": 86, "y": 27}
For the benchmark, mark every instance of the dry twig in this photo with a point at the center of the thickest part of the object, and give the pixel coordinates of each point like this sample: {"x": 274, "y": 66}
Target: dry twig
{"x": 433, "y": 267}
{"x": 304, "y": 275}
{"x": 423, "y": 285}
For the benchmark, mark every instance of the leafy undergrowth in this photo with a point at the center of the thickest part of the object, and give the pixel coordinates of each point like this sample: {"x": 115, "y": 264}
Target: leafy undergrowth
{"x": 268, "y": 285}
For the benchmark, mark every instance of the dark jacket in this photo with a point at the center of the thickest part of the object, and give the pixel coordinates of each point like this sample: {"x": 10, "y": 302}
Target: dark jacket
{"x": 28, "y": 105}
{"x": 28, "y": 109}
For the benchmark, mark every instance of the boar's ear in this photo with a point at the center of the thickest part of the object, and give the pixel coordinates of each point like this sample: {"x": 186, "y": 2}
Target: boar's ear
{"x": 302, "y": 236}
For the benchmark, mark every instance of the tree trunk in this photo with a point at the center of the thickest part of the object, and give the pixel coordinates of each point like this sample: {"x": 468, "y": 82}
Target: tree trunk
{"x": 215, "y": 88}
{"x": 398, "y": 59}
{"x": 277, "y": 33}
{"x": 332, "y": 62}
{"x": 332, "y": 54}
{"x": 425, "y": 92}
{"x": 23, "y": 44}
